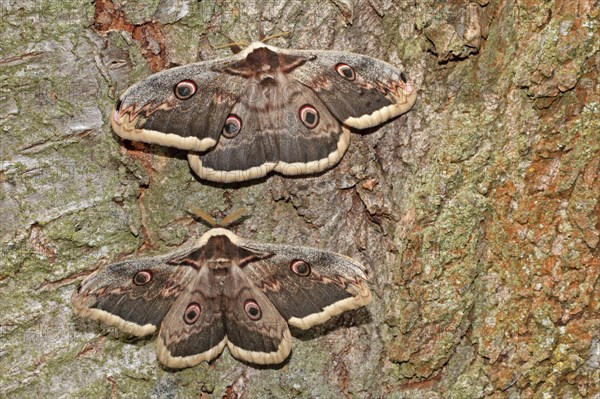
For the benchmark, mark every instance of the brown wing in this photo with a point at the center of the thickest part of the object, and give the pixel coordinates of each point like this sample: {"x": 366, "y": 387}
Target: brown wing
{"x": 133, "y": 295}
{"x": 184, "y": 107}
{"x": 308, "y": 286}
{"x": 193, "y": 330}
{"x": 275, "y": 135}
{"x": 255, "y": 330}
{"x": 360, "y": 91}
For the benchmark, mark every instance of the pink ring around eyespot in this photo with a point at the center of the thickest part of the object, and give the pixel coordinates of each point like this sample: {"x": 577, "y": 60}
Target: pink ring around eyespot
{"x": 233, "y": 120}
{"x": 297, "y": 265}
{"x": 249, "y": 305}
{"x": 341, "y": 67}
{"x": 192, "y": 307}
{"x": 142, "y": 277}
{"x": 190, "y": 85}
{"x": 304, "y": 112}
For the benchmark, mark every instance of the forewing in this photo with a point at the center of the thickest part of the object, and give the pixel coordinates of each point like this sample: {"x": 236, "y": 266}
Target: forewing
{"x": 370, "y": 92}
{"x": 133, "y": 295}
{"x": 150, "y": 111}
{"x": 308, "y": 286}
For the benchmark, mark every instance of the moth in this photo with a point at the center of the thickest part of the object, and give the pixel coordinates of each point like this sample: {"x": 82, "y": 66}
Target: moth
{"x": 264, "y": 109}
{"x": 223, "y": 291}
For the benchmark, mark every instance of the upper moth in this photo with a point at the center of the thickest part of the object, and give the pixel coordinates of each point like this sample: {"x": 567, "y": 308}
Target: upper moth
{"x": 263, "y": 109}
{"x": 224, "y": 291}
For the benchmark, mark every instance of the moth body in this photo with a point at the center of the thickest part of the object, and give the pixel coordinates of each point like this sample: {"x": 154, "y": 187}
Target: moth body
{"x": 223, "y": 291}
{"x": 262, "y": 110}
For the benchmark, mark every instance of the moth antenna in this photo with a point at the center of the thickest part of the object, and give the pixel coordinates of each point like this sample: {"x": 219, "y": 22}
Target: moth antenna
{"x": 259, "y": 28}
{"x": 275, "y": 36}
{"x": 236, "y": 47}
{"x": 228, "y": 221}
{"x": 234, "y": 218}
{"x": 198, "y": 213}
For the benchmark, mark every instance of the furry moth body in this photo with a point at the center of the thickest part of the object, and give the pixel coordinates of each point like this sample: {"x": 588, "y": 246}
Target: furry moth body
{"x": 264, "y": 109}
{"x": 224, "y": 291}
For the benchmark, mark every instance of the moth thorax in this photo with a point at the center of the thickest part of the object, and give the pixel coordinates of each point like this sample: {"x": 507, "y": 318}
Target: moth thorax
{"x": 221, "y": 262}
{"x": 268, "y": 80}
{"x": 221, "y": 274}
{"x": 270, "y": 89}
{"x": 220, "y": 266}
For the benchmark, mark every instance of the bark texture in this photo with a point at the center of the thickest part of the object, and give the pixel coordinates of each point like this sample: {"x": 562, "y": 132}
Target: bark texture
{"x": 478, "y": 212}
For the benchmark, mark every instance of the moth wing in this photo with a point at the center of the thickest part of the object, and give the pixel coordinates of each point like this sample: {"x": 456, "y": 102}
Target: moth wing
{"x": 274, "y": 137}
{"x": 193, "y": 329}
{"x": 255, "y": 330}
{"x": 150, "y": 111}
{"x": 133, "y": 295}
{"x": 372, "y": 92}
{"x": 308, "y": 286}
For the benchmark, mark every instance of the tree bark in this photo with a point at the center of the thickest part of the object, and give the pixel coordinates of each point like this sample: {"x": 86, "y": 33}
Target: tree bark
{"x": 477, "y": 212}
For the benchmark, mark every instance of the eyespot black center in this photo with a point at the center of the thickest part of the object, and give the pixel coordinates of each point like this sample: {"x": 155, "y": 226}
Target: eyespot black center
{"x": 300, "y": 268}
{"x": 142, "y": 277}
{"x": 252, "y": 309}
{"x": 232, "y": 126}
{"x": 403, "y": 77}
{"x": 192, "y": 313}
{"x": 309, "y": 116}
{"x": 185, "y": 89}
{"x": 345, "y": 71}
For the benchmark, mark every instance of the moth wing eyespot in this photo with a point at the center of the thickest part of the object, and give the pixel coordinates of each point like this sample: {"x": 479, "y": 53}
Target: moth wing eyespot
{"x": 252, "y": 310}
{"x": 191, "y": 313}
{"x": 142, "y": 277}
{"x": 232, "y": 126}
{"x": 309, "y": 116}
{"x": 300, "y": 268}
{"x": 185, "y": 89}
{"x": 345, "y": 71}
